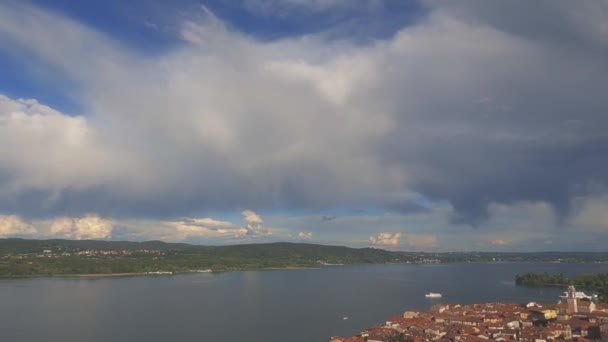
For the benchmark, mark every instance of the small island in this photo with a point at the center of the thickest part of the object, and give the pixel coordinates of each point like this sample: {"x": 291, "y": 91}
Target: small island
{"x": 593, "y": 282}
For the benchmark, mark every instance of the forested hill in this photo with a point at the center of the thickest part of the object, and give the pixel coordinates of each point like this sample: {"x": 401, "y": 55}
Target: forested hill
{"x": 24, "y": 257}
{"x": 19, "y": 257}
{"x": 266, "y": 250}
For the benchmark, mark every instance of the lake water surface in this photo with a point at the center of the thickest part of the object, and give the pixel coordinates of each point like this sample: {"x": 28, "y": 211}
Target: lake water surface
{"x": 279, "y": 305}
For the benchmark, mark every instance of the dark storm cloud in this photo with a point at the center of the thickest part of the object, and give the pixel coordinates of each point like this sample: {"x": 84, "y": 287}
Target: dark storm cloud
{"x": 561, "y": 22}
{"x": 528, "y": 125}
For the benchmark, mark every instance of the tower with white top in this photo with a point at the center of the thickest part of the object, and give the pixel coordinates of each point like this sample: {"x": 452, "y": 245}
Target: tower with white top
{"x": 572, "y": 301}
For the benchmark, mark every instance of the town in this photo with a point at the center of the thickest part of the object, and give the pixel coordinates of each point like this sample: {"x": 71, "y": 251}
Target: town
{"x": 87, "y": 253}
{"x": 576, "y": 319}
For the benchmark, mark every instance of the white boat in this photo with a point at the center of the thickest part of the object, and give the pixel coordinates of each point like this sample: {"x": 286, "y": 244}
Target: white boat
{"x": 208, "y": 270}
{"x": 433, "y": 295}
{"x": 578, "y": 295}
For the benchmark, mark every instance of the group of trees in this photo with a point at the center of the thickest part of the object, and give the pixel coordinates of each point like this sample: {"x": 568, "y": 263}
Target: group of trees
{"x": 593, "y": 282}
{"x": 542, "y": 279}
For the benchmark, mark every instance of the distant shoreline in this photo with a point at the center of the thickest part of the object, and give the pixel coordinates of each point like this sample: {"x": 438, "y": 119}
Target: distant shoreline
{"x": 142, "y": 274}
{"x": 282, "y": 268}
{"x": 21, "y": 258}
{"x": 95, "y": 275}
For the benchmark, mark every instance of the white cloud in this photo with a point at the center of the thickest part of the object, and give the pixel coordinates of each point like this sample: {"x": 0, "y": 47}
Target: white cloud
{"x": 253, "y": 223}
{"x": 11, "y": 225}
{"x": 63, "y": 152}
{"x": 251, "y": 218}
{"x": 305, "y": 235}
{"x": 205, "y": 228}
{"x": 92, "y": 226}
{"x": 88, "y": 227}
{"x": 388, "y": 239}
{"x": 211, "y": 223}
{"x": 78, "y": 228}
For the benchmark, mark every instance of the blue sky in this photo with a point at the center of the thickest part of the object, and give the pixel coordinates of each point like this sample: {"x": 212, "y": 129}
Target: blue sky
{"x": 409, "y": 125}
{"x": 152, "y": 28}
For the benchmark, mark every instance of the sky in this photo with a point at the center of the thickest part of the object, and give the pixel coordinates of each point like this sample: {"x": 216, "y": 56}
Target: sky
{"x": 397, "y": 124}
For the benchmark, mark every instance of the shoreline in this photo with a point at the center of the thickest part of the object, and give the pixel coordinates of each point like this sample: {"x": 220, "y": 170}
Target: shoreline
{"x": 142, "y": 274}
{"x": 312, "y": 267}
{"x": 95, "y": 275}
{"x": 281, "y": 268}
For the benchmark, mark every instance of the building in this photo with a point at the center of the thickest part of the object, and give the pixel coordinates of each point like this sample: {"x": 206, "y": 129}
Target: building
{"x": 571, "y": 300}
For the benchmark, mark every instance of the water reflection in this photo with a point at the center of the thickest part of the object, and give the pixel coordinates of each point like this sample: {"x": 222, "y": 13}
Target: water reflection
{"x": 297, "y": 305}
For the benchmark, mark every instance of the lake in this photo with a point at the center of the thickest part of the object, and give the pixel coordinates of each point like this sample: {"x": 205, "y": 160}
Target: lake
{"x": 279, "y": 305}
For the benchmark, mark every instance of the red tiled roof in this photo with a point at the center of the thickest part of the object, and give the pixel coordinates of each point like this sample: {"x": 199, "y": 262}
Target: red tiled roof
{"x": 381, "y": 334}
{"x": 459, "y": 318}
{"x": 354, "y": 339}
{"x": 471, "y": 338}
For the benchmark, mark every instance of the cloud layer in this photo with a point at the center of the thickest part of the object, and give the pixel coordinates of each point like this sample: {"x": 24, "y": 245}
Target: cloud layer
{"x": 11, "y": 225}
{"x": 88, "y": 227}
{"x": 461, "y": 107}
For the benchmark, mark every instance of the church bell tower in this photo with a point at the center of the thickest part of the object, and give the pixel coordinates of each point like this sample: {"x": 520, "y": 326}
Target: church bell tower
{"x": 572, "y": 301}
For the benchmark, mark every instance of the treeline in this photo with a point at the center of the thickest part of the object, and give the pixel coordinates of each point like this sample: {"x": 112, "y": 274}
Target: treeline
{"x": 20, "y": 246}
{"x": 541, "y": 279}
{"x": 593, "y": 282}
{"x": 57, "y": 257}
